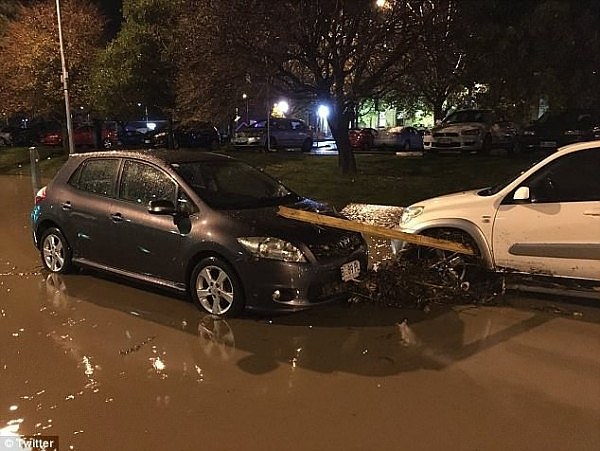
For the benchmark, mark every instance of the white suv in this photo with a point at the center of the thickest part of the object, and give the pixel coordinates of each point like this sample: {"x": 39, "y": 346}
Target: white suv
{"x": 545, "y": 221}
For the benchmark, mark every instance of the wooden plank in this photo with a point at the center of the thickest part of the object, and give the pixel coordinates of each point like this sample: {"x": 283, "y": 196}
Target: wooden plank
{"x": 329, "y": 221}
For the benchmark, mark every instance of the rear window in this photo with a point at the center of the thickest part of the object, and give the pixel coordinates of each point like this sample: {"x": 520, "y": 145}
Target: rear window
{"x": 96, "y": 176}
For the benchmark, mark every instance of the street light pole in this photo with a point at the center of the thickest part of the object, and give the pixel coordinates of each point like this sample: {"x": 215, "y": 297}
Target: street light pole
{"x": 65, "y": 80}
{"x": 245, "y": 97}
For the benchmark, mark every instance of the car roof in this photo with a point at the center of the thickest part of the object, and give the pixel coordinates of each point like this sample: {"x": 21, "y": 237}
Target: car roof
{"x": 157, "y": 155}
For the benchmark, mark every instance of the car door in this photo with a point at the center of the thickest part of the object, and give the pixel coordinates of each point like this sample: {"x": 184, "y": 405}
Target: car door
{"x": 149, "y": 244}
{"x": 557, "y": 230}
{"x": 298, "y": 133}
{"x": 84, "y": 205}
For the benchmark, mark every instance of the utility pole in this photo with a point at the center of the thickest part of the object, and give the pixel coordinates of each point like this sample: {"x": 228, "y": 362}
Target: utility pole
{"x": 65, "y": 80}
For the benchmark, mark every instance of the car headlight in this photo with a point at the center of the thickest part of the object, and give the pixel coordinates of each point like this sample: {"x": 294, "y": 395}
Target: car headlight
{"x": 528, "y": 133}
{"x": 272, "y": 248}
{"x": 473, "y": 131}
{"x": 573, "y": 133}
{"x": 410, "y": 213}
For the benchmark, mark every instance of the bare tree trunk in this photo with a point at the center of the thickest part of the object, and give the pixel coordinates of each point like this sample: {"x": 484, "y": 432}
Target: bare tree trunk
{"x": 339, "y": 129}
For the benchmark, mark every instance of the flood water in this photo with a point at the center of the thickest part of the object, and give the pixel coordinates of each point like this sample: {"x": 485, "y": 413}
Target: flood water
{"x": 104, "y": 364}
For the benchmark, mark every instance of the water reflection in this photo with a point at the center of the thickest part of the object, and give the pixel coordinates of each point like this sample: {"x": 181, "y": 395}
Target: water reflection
{"x": 362, "y": 339}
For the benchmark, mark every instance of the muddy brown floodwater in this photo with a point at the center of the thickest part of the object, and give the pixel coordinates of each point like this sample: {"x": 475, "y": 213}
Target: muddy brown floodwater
{"x": 107, "y": 365}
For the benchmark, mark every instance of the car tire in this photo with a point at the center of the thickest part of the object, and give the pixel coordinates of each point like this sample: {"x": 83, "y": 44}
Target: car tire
{"x": 307, "y": 145}
{"x": 216, "y": 288}
{"x": 454, "y": 269}
{"x": 486, "y": 146}
{"x": 55, "y": 251}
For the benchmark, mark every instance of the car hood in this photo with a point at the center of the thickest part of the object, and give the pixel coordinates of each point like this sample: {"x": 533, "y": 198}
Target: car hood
{"x": 457, "y": 127}
{"x": 467, "y": 205}
{"x": 266, "y": 222}
{"x": 450, "y": 201}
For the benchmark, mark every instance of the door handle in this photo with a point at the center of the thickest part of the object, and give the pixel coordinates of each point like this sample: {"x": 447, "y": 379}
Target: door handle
{"x": 116, "y": 217}
{"x": 66, "y": 206}
{"x": 595, "y": 212}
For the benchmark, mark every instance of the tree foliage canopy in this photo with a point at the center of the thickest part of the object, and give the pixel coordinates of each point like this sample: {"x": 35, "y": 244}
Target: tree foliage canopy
{"x": 30, "y": 69}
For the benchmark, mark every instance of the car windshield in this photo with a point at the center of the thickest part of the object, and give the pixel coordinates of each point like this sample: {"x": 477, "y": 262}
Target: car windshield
{"x": 500, "y": 186}
{"x": 563, "y": 118}
{"x": 230, "y": 184}
{"x": 466, "y": 116}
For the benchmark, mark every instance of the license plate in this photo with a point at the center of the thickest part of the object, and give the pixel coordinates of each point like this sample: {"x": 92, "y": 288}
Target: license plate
{"x": 350, "y": 271}
{"x": 548, "y": 144}
{"x": 445, "y": 140}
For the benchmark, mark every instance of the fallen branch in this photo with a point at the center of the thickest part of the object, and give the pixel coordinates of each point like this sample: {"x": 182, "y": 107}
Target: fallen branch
{"x": 329, "y": 221}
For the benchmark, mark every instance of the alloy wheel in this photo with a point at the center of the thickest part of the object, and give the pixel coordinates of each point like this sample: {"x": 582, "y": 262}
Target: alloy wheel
{"x": 215, "y": 290}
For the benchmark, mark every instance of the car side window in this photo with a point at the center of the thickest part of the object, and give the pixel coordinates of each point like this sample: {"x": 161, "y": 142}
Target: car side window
{"x": 141, "y": 183}
{"x": 572, "y": 178}
{"x": 298, "y": 125}
{"x": 96, "y": 176}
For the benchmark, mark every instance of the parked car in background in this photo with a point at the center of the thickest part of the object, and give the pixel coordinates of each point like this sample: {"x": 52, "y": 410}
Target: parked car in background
{"x": 399, "y": 137}
{"x": 557, "y": 128}
{"x": 194, "y": 222}
{"x": 52, "y": 138}
{"x": 18, "y": 136}
{"x": 471, "y": 131}
{"x": 6, "y": 138}
{"x": 85, "y": 136}
{"x": 545, "y": 221}
{"x": 192, "y": 135}
{"x": 283, "y": 133}
{"x": 361, "y": 138}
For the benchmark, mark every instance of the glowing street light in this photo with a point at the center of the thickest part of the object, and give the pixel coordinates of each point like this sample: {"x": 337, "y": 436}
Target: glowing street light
{"x": 323, "y": 111}
{"x": 245, "y": 97}
{"x": 282, "y": 106}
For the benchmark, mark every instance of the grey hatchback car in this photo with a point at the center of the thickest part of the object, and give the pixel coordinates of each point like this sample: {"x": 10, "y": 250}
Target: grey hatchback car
{"x": 196, "y": 222}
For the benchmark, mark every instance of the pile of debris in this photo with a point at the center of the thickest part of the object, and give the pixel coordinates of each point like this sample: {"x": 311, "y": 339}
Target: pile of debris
{"x": 414, "y": 283}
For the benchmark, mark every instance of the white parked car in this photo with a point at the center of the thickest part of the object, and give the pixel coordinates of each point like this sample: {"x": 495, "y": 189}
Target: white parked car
{"x": 545, "y": 221}
{"x": 471, "y": 130}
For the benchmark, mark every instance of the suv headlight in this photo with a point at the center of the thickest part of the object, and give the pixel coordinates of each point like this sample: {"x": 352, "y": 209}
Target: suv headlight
{"x": 410, "y": 213}
{"x": 472, "y": 131}
{"x": 272, "y": 248}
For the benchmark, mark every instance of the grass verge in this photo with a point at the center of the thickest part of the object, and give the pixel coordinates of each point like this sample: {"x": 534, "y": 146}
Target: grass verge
{"x": 384, "y": 179}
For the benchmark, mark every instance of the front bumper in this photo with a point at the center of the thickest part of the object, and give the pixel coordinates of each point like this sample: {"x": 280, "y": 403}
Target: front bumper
{"x": 279, "y": 286}
{"x": 466, "y": 143}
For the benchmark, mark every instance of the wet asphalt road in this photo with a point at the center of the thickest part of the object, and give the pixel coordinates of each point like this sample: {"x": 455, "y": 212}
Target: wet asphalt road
{"x": 107, "y": 365}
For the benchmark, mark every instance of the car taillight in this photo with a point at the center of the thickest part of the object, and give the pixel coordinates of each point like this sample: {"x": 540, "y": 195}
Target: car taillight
{"x": 40, "y": 196}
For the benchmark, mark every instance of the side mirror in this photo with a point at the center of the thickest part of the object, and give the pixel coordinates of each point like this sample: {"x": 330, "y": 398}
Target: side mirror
{"x": 161, "y": 207}
{"x": 522, "y": 193}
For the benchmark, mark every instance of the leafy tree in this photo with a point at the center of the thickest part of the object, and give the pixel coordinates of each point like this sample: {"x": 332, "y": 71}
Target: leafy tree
{"x": 337, "y": 52}
{"x": 536, "y": 49}
{"x": 30, "y": 68}
{"x": 136, "y": 71}
{"x": 439, "y": 71}
{"x": 8, "y": 10}
{"x": 212, "y": 73}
